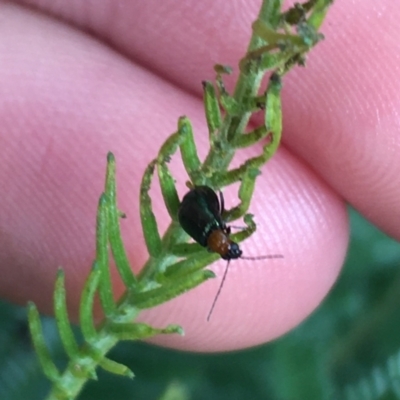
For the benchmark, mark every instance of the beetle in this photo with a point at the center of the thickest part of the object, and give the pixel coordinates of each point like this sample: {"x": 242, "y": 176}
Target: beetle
{"x": 200, "y": 216}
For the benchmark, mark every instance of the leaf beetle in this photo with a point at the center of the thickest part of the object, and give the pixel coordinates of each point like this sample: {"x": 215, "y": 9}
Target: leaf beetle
{"x": 200, "y": 216}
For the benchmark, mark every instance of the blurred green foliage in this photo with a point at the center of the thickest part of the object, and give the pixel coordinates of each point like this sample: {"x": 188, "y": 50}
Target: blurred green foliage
{"x": 348, "y": 349}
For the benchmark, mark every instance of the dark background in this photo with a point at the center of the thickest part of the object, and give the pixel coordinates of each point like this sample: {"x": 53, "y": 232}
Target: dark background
{"x": 349, "y": 348}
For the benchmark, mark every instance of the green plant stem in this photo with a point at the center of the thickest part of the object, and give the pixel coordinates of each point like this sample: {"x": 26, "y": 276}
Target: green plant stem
{"x": 247, "y": 87}
{"x": 104, "y": 337}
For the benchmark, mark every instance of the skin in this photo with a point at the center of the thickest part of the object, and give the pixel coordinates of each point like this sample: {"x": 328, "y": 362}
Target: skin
{"x": 79, "y": 79}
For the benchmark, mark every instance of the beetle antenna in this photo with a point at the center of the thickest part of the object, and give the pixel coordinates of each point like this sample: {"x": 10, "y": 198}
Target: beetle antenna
{"x": 219, "y": 291}
{"x": 226, "y": 273}
{"x": 262, "y": 257}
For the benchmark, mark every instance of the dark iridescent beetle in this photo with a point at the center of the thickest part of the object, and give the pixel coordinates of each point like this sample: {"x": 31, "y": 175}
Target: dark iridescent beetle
{"x": 200, "y": 215}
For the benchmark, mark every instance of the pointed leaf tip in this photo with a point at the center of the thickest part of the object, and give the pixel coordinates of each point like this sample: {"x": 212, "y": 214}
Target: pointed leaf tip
{"x": 110, "y": 157}
{"x": 60, "y": 273}
{"x": 174, "y": 329}
{"x": 208, "y": 274}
